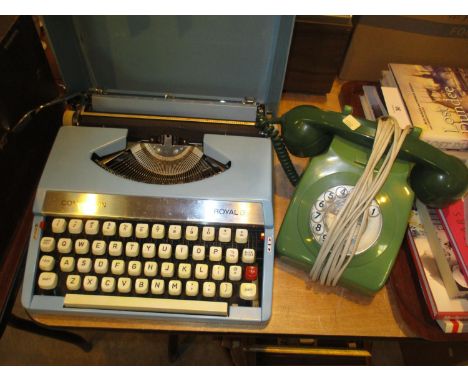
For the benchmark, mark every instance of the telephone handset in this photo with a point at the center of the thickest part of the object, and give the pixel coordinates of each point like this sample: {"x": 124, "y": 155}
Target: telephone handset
{"x": 339, "y": 157}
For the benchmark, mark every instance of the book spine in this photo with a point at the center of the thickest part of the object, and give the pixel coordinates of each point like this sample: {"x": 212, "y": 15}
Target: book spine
{"x": 421, "y": 275}
{"x": 366, "y": 109}
{"x": 395, "y": 106}
{"x": 453, "y": 326}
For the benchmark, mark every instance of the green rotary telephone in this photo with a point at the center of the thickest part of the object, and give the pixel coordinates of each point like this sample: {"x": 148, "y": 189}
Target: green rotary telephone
{"x": 339, "y": 155}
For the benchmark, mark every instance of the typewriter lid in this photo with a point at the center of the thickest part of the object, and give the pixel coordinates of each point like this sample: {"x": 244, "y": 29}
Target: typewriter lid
{"x": 228, "y": 58}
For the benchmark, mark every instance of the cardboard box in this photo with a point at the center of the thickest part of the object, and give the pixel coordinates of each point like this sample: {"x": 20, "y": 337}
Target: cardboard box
{"x": 427, "y": 40}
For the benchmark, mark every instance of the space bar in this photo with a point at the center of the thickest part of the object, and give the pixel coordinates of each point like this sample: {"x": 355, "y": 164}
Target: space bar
{"x": 144, "y": 304}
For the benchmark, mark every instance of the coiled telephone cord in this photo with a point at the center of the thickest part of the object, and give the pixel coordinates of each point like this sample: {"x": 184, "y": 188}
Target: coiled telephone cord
{"x": 341, "y": 244}
{"x": 268, "y": 129}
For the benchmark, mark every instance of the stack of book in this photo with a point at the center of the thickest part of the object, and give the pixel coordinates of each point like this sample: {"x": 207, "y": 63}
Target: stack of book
{"x": 441, "y": 263}
{"x": 434, "y": 99}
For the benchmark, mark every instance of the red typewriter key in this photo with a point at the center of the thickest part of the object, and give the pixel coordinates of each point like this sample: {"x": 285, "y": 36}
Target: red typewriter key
{"x": 250, "y": 273}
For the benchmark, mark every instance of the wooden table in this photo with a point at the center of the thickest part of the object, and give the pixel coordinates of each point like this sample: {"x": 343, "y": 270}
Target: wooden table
{"x": 299, "y": 307}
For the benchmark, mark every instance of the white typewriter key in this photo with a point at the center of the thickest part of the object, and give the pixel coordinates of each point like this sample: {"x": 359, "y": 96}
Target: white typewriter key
{"x": 175, "y": 287}
{"x": 175, "y": 232}
{"x": 84, "y": 265}
{"x": 181, "y": 252}
{"x": 225, "y": 290}
{"x": 59, "y": 225}
{"x": 47, "y": 263}
{"x": 184, "y": 271}
{"x": 198, "y": 253}
{"x": 209, "y": 289}
{"x": 90, "y": 283}
{"x": 151, "y": 268}
{"x": 208, "y": 233}
{"x": 118, "y": 267}
{"x": 98, "y": 248}
{"x": 73, "y": 282}
{"x": 82, "y": 246}
{"x": 157, "y": 231}
{"x": 132, "y": 249}
{"x": 148, "y": 250}
{"x": 124, "y": 284}
{"x": 232, "y": 255}
{"x": 75, "y": 226}
{"x": 143, "y": 304}
{"x": 67, "y": 264}
{"x": 142, "y": 231}
{"x": 167, "y": 269}
{"x": 165, "y": 251}
{"x": 248, "y": 291}
{"x": 101, "y": 266}
{"x": 224, "y": 235}
{"x": 235, "y": 273}
{"x": 191, "y": 288}
{"x": 91, "y": 227}
{"x": 47, "y": 244}
{"x": 218, "y": 272}
{"x": 108, "y": 284}
{"x": 141, "y": 286}
{"x": 201, "y": 271}
{"x": 47, "y": 280}
{"x": 157, "y": 286}
{"x": 109, "y": 228}
{"x": 64, "y": 245}
{"x": 248, "y": 255}
{"x": 241, "y": 236}
{"x": 115, "y": 248}
{"x": 191, "y": 232}
{"x": 134, "y": 268}
{"x": 125, "y": 229}
{"x": 216, "y": 253}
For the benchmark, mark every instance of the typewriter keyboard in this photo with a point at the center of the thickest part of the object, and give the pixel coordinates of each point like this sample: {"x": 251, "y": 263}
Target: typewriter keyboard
{"x": 175, "y": 267}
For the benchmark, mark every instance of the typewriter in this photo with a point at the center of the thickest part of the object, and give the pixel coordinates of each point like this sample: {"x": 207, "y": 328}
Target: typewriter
{"x": 159, "y": 205}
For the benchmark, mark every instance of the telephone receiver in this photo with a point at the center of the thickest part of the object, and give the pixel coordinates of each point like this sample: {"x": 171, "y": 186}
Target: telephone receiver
{"x": 339, "y": 155}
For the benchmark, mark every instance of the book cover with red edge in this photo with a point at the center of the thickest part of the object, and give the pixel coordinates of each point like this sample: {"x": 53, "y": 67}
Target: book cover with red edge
{"x": 453, "y": 219}
{"x": 440, "y": 305}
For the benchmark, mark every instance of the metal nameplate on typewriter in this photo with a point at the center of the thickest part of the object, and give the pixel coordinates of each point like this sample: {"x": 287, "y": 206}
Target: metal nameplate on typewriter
{"x": 139, "y": 207}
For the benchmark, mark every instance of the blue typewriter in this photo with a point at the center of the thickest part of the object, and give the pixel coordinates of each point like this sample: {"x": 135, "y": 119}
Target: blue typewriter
{"x": 156, "y": 199}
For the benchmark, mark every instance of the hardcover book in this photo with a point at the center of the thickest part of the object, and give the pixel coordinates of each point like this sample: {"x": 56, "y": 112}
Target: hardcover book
{"x": 434, "y": 238}
{"x": 437, "y": 101}
{"x": 440, "y": 305}
{"x": 453, "y": 219}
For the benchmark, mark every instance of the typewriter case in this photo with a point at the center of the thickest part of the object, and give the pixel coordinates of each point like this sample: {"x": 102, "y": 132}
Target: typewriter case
{"x": 196, "y": 78}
